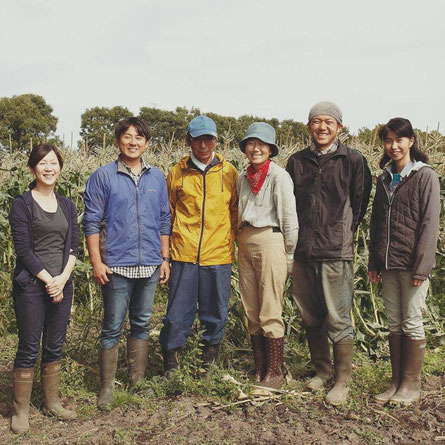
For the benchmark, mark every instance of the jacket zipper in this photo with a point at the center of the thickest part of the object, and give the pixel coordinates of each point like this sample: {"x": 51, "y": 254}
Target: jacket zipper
{"x": 202, "y": 215}
{"x": 390, "y": 201}
{"x": 316, "y": 211}
{"x": 138, "y": 220}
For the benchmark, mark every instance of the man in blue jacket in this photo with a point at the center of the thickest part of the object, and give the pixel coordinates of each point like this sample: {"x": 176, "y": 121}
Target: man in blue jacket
{"x": 127, "y": 225}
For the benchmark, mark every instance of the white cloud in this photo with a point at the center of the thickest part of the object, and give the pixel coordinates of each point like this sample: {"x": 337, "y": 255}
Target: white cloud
{"x": 273, "y": 59}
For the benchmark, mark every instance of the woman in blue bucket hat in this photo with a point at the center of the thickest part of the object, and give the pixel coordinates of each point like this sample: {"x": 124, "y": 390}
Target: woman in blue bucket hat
{"x": 268, "y": 224}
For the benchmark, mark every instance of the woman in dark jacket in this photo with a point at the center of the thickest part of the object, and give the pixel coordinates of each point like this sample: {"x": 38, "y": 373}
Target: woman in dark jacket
{"x": 45, "y": 233}
{"x": 404, "y": 230}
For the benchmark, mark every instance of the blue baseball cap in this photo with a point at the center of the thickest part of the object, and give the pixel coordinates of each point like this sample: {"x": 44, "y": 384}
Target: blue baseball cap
{"x": 201, "y": 125}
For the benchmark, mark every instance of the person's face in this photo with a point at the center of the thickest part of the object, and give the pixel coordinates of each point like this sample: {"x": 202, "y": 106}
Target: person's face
{"x": 132, "y": 146}
{"x": 257, "y": 152}
{"x": 397, "y": 148}
{"x": 324, "y": 129}
{"x": 203, "y": 147}
{"x": 47, "y": 170}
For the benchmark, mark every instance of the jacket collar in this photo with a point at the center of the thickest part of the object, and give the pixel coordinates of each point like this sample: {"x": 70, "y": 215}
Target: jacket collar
{"x": 121, "y": 167}
{"x": 341, "y": 151}
{"x": 218, "y": 162}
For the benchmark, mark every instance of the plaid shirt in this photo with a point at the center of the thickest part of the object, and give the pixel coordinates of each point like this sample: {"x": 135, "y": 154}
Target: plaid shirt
{"x": 319, "y": 152}
{"x": 135, "y": 271}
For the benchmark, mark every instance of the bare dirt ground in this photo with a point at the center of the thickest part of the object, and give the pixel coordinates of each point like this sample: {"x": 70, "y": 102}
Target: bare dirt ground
{"x": 297, "y": 419}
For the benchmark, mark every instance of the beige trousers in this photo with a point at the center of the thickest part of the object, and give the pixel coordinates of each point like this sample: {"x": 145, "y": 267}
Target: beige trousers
{"x": 262, "y": 267}
{"x": 404, "y": 303}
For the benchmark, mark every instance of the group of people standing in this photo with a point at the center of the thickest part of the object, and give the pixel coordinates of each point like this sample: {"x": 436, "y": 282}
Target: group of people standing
{"x": 142, "y": 229}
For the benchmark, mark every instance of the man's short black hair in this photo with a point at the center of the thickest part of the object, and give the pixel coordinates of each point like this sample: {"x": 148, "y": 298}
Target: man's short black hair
{"x": 125, "y": 124}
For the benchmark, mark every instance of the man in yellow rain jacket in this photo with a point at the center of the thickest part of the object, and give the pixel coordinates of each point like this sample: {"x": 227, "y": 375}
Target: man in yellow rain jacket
{"x": 203, "y": 203}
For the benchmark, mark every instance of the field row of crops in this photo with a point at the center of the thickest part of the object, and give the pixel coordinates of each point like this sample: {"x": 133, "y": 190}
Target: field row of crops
{"x": 369, "y": 319}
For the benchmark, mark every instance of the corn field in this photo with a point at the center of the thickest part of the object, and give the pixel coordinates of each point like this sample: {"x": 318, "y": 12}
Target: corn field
{"x": 368, "y": 315}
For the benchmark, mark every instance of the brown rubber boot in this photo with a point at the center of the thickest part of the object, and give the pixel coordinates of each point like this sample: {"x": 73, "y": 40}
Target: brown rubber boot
{"x": 321, "y": 359}
{"x": 22, "y": 379}
{"x": 137, "y": 359}
{"x": 171, "y": 362}
{"x": 50, "y": 380}
{"x": 413, "y": 353}
{"x": 395, "y": 350}
{"x": 210, "y": 354}
{"x": 274, "y": 360}
{"x": 259, "y": 356}
{"x": 343, "y": 371}
{"x": 108, "y": 367}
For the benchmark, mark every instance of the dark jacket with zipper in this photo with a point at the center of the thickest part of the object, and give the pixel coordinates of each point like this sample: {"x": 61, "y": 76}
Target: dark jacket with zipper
{"x": 28, "y": 264}
{"x": 405, "y": 226}
{"x": 332, "y": 193}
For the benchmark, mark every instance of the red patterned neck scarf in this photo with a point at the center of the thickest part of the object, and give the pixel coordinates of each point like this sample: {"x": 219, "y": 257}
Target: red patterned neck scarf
{"x": 256, "y": 178}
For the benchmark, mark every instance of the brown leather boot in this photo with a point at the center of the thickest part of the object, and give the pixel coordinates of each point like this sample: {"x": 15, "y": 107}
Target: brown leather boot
{"x": 170, "y": 358}
{"x": 259, "y": 356}
{"x": 343, "y": 370}
{"x": 321, "y": 359}
{"x": 22, "y": 379}
{"x": 210, "y": 354}
{"x": 274, "y": 360}
{"x": 108, "y": 367}
{"x": 137, "y": 359}
{"x": 395, "y": 350}
{"x": 413, "y": 353}
{"x": 50, "y": 380}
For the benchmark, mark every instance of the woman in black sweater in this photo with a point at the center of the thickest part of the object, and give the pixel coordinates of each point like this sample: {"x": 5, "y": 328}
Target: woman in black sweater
{"x": 45, "y": 233}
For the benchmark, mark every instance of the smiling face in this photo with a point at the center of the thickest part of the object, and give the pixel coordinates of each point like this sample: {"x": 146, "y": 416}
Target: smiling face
{"x": 398, "y": 149}
{"x": 132, "y": 146}
{"x": 324, "y": 130}
{"x": 47, "y": 170}
{"x": 257, "y": 152}
{"x": 203, "y": 147}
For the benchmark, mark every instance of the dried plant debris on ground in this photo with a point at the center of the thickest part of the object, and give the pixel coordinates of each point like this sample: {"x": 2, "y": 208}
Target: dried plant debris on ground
{"x": 254, "y": 416}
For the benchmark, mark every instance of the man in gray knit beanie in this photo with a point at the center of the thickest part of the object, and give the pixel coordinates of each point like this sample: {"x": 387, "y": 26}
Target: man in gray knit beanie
{"x": 332, "y": 184}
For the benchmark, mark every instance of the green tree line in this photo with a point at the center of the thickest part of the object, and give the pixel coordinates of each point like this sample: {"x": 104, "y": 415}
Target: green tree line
{"x": 27, "y": 118}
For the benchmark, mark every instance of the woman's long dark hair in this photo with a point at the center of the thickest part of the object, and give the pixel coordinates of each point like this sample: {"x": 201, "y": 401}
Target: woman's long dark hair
{"x": 402, "y": 128}
{"x": 38, "y": 152}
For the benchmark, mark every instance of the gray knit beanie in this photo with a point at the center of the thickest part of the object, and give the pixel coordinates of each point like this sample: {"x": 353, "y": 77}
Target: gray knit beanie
{"x": 327, "y": 108}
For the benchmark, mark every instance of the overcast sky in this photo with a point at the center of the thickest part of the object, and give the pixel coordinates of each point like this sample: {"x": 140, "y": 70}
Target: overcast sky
{"x": 276, "y": 58}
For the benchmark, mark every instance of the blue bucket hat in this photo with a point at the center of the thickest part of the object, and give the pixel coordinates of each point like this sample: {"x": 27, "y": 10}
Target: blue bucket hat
{"x": 201, "y": 125}
{"x": 262, "y": 131}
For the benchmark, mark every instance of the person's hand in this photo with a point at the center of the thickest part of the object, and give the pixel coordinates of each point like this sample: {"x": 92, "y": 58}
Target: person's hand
{"x": 374, "y": 276}
{"x": 165, "y": 272}
{"x": 100, "y": 272}
{"x": 55, "y": 287}
{"x": 415, "y": 282}
{"x": 290, "y": 265}
{"x": 57, "y": 298}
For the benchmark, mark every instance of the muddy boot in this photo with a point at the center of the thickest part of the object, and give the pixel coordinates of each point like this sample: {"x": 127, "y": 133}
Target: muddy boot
{"x": 343, "y": 370}
{"x": 22, "y": 384}
{"x": 321, "y": 359}
{"x": 137, "y": 359}
{"x": 50, "y": 380}
{"x": 274, "y": 360}
{"x": 413, "y": 352}
{"x": 395, "y": 350}
{"x": 210, "y": 354}
{"x": 259, "y": 356}
{"x": 171, "y": 362}
{"x": 108, "y": 367}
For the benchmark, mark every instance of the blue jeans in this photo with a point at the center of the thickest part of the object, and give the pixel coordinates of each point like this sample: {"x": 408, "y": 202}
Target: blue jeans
{"x": 191, "y": 285}
{"x": 123, "y": 294}
{"x": 35, "y": 313}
